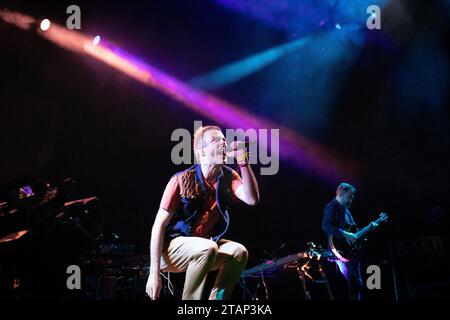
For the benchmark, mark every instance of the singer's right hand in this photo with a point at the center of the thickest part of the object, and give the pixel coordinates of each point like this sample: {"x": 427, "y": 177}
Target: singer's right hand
{"x": 153, "y": 287}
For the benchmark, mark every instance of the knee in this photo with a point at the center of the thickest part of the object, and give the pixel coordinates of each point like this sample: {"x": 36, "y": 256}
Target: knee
{"x": 208, "y": 251}
{"x": 211, "y": 250}
{"x": 240, "y": 253}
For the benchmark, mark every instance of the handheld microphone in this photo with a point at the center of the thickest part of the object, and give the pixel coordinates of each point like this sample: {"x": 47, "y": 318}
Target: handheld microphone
{"x": 244, "y": 145}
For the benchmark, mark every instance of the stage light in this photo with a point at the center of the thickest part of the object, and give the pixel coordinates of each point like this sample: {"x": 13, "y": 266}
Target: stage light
{"x": 338, "y": 26}
{"x": 237, "y": 70}
{"x": 296, "y": 148}
{"x": 96, "y": 40}
{"x": 45, "y": 24}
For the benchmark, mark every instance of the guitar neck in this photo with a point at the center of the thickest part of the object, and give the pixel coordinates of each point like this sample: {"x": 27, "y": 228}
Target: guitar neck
{"x": 368, "y": 228}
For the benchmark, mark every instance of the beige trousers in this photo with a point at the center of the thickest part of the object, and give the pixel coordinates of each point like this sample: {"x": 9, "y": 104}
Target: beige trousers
{"x": 197, "y": 257}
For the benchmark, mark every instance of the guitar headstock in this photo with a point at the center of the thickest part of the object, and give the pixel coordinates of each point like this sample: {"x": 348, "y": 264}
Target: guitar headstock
{"x": 383, "y": 217}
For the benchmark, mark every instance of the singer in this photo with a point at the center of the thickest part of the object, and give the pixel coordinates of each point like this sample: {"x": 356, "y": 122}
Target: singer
{"x": 187, "y": 234}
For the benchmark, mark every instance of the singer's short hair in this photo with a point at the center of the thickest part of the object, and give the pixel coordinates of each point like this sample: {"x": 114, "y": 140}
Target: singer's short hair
{"x": 345, "y": 187}
{"x": 198, "y": 137}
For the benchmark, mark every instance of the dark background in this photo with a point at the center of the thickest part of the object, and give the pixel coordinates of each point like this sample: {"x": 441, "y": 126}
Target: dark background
{"x": 64, "y": 115}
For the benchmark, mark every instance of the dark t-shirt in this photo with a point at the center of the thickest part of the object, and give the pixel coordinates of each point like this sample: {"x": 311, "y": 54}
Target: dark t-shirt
{"x": 336, "y": 218}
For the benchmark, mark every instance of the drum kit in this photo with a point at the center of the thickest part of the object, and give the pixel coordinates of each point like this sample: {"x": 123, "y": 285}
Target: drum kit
{"x": 116, "y": 276}
{"x": 41, "y": 209}
{"x": 44, "y": 229}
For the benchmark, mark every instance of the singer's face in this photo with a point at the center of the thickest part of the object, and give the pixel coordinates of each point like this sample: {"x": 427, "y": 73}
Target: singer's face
{"x": 214, "y": 147}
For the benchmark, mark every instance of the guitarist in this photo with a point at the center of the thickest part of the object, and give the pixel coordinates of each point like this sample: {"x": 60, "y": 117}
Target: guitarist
{"x": 336, "y": 219}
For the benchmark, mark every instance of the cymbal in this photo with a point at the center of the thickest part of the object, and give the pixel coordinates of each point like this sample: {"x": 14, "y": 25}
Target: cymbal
{"x": 82, "y": 201}
{"x": 13, "y": 236}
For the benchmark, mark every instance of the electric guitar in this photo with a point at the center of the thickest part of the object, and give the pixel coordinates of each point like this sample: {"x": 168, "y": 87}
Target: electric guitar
{"x": 344, "y": 249}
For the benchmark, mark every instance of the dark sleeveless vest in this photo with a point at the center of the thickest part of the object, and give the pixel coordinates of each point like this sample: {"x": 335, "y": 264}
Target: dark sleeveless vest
{"x": 193, "y": 194}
